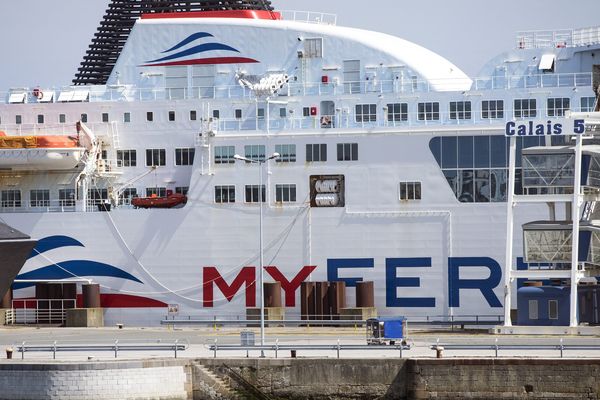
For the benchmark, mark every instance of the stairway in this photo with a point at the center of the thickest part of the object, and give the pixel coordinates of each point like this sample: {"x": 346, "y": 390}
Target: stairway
{"x": 209, "y": 386}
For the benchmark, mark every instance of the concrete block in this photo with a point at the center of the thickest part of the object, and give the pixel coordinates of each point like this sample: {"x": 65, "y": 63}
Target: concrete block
{"x": 85, "y": 318}
{"x": 359, "y": 313}
{"x": 271, "y": 313}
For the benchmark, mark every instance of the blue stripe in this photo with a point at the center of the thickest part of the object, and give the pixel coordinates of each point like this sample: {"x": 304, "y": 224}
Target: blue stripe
{"x": 53, "y": 242}
{"x": 72, "y": 269}
{"x": 195, "y": 50}
{"x": 189, "y": 39}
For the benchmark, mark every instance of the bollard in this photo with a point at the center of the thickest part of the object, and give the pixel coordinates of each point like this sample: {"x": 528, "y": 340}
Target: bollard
{"x": 338, "y": 348}
{"x": 9, "y": 352}
{"x": 176, "y": 340}
{"x": 439, "y": 351}
{"x": 215, "y": 355}
{"x": 293, "y": 353}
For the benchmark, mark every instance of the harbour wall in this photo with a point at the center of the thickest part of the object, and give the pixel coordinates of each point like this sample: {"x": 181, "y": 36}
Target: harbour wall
{"x": 410, "y": 379}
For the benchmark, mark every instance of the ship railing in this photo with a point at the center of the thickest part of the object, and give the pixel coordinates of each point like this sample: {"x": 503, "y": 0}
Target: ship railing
{"x": 41, "y": 129}
{"x": 347, "y": 118}
{"x": 310, "y": 17}
{"x": 558, "y": 38}
{"x": 38, "y": 206}
{"x": 334, "y": 87}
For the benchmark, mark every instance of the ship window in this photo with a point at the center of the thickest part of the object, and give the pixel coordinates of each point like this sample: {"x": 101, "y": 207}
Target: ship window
{"x": 149, "y": 116}
{"x": 156, "y": 157}
{"x": 238, "y": 113}
{"x": 255, "y": 152}
{"x": 184, "y": 156}
{"x": 171, "y": 116}
{"x": 104, "y": 117}
{"x": 366, "y": 113}
{"x": 182, "y": 190}
{"x": 62, "y": 118}
{"x": 460, "y": 110}
{"x": 316, "y": 152}
{"x": 97, "y": 196}
{"x": 558, "y": 105}
{"x": 260, "y": 113}
{"x": 283, "y": 112}
{"x": 127, "y": 195}
{"x": 553, "y": 309}
{"x": 397, "y": 112}
{"x": 126, "y": 158}
{"x": 313, "y": 48}
{"x": 39, "y": 198}
{"x": 525, "y": 108}
{"x": 126, "y": 117}
{"x": 18, "y": 119}
{"x": 285, "y": 193}
{"x": 492, "y": 109}
{"x": 533, "y": 309}
{"x": 10, "y": 198}
{"x": 225, "y": 194}
{"x": 352, "y": 76}
{"x": 40, "y": 118}
{"x": 429, "y": 111}
{"x": 156, "y": 192}
{"x": 216, "y": 114}
{"x": 287, "y": 153}
{"x": 252, "y": 193}
{"x": 66, "y": 197}
{"x": 587, "y": 104}
{"x": 203, "y": 81}
{"x": 224, "y": 154}
{"x": 192, "y": 115}
{"x": 347, "y": 151}
{"x": 84, "y": 118}
{"x": 410, "y": 190}
{"x": 306, "y": 111}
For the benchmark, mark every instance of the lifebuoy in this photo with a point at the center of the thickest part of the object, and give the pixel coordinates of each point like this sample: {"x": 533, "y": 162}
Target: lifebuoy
{"x": 37, "y": 93}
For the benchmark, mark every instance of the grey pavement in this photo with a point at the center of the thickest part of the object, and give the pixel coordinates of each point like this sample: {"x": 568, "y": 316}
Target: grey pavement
{"x": 200, "y": 338}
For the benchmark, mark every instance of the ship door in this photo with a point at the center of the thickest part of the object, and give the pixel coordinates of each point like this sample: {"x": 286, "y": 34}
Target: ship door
{"x": 596, "y": 83}
{"x": 327, "y": 114}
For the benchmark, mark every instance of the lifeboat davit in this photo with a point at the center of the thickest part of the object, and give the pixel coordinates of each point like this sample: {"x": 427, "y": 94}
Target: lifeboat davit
{"x": 50, "y": 152}
{"x": 170, "y": 201}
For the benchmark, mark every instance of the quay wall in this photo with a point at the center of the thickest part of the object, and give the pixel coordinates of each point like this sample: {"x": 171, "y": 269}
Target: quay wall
{"x": 301, "y": 378}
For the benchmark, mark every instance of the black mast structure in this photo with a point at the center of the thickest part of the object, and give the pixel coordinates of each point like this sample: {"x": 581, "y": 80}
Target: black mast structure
{"x": 115, "y": 27}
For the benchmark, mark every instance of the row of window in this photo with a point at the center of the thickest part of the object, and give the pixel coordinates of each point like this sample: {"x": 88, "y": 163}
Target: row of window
{"x": 462, "y": 110}
{"x": 155, "y": 157}
{"x": 394, "y": 112}
{"x": 66, "y": 197}
{"x": 287, "y": 152}
{"x": 225, "y": 154}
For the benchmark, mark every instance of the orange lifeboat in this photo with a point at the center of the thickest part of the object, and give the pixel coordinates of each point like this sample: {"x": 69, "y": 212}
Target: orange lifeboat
{"x": 170, "y": 201}
{"x": 49, "y": 152}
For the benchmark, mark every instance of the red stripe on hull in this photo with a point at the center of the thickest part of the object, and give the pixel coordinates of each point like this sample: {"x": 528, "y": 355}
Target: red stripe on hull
{"x": 245, "y": 14}
{"x": 206, "y": 61}
{"x": 108, "y": 300}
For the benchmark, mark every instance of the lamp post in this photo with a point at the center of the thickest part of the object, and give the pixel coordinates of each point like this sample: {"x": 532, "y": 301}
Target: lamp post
{"x": 260, "y": 240}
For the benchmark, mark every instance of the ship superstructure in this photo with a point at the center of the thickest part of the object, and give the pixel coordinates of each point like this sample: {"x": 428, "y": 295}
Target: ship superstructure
{"x": 392, "y": 167}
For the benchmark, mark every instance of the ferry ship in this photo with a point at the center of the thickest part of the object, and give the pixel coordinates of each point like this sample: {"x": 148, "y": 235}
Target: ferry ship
{"x": 376, "y": 159}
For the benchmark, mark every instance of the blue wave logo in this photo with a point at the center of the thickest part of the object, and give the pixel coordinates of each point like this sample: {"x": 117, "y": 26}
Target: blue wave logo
{"x": 176, "y": 58}
{"x": 68, "y": 269}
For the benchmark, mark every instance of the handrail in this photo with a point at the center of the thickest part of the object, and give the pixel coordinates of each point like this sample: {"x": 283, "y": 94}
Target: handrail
{"x": 561, "y": 347}
{"x": 338, "y": 347}
{"x": 256, "y": 392}
{"x": 115, "y": 347}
